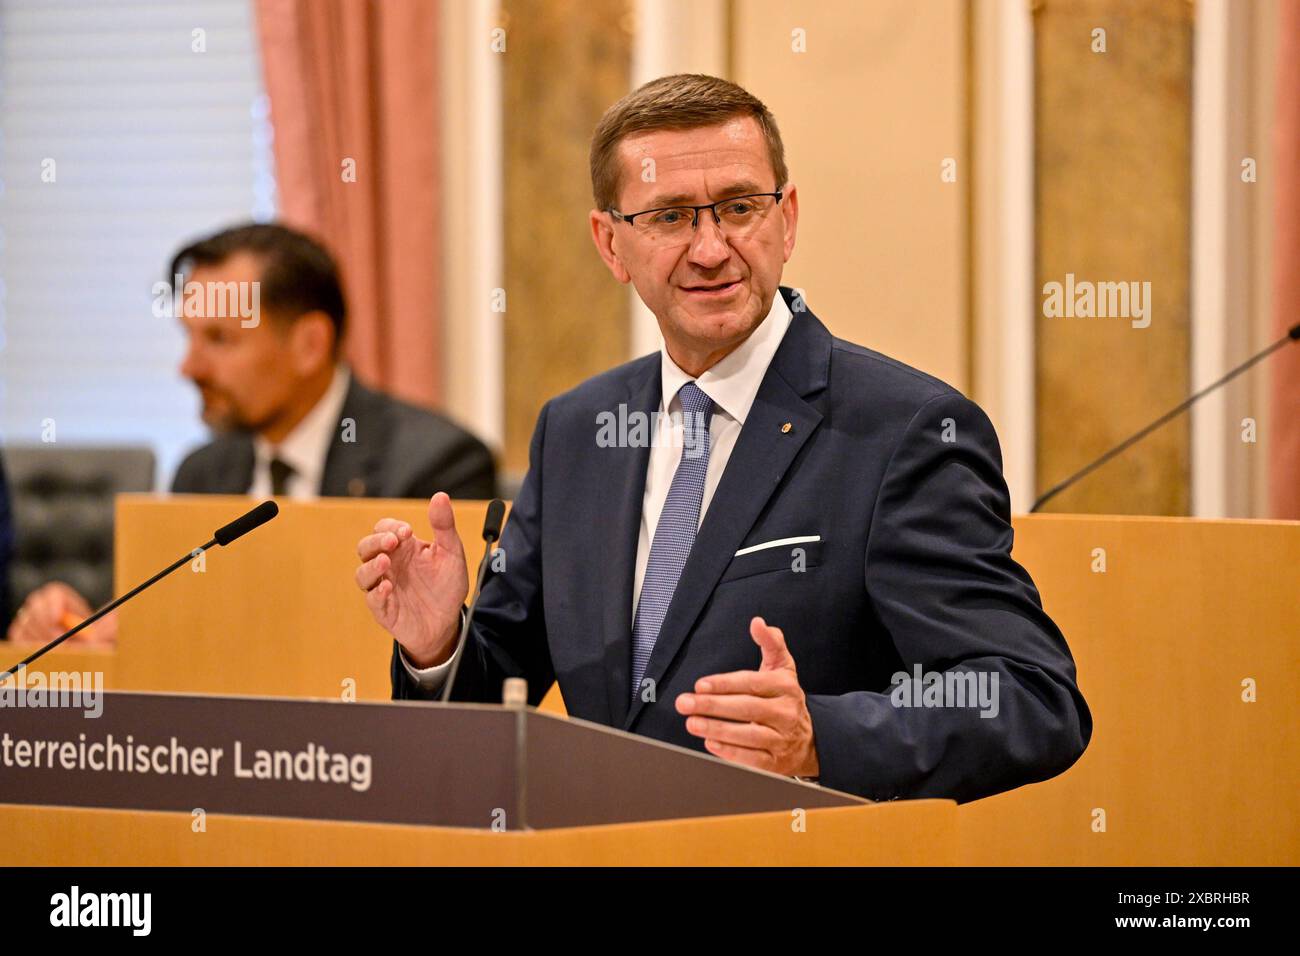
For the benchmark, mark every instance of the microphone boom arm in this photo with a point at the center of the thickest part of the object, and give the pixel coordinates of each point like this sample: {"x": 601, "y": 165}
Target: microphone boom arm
{"x": 1293, "y": 335}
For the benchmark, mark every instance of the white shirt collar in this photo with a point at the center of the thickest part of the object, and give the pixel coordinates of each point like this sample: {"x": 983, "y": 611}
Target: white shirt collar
{"x": 304, "y": 449}
{"x": 733, "y": 383}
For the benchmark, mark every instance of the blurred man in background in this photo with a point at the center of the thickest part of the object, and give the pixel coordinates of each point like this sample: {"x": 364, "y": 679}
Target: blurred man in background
{"x": 291, "y": 418}
{"x": 265, "y": 314}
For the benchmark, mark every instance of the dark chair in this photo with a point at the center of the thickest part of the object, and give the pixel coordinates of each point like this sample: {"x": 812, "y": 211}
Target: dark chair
{"x": 63, "y": 514}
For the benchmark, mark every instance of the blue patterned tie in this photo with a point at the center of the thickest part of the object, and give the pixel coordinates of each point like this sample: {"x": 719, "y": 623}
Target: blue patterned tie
{"x": 675, "y": 532}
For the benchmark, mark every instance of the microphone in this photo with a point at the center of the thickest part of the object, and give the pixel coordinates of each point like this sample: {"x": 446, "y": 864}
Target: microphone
{"x": 245, "y": 523}
{"x": 1292, "y": 335}
{"x": 496, "y": 515}
{"x": 496, "y": 512}
{"x": 223, "y": 536}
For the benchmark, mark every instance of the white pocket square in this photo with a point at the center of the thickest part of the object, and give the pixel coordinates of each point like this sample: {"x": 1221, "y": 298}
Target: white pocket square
{"x": 778, "y": 543}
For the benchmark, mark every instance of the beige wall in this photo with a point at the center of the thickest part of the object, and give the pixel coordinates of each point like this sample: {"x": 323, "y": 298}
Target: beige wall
{"x": 1113, "y": 184}
{"x": 868, "y": 114}
{"x": 567, "y": 318}
{"x": 1252, "y": 264}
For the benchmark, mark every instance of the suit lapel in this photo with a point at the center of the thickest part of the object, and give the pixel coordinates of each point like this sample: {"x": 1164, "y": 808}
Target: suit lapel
{"x": 764, "y": 451}
{"x": 622, "y": 488}
{"x": 236, "y": 477}
{"x": 355, "y": 468}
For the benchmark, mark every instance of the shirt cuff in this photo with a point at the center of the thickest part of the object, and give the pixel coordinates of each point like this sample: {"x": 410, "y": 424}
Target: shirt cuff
{"x": 430, "y": 678}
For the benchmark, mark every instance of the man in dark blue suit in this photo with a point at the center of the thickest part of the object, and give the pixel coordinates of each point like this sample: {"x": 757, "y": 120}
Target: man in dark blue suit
{"x": 762, "y": 542}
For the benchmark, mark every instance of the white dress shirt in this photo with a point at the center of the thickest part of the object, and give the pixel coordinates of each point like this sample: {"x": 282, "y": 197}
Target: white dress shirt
{"x": 732, "y": 384}
{"x": 305, "y": 448}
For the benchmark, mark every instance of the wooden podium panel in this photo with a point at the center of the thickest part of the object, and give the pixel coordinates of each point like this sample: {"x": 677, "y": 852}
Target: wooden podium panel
{"x": 276, "y": 613}
{"x": 1184, "y": 771}
{"x": 902, "y": 833}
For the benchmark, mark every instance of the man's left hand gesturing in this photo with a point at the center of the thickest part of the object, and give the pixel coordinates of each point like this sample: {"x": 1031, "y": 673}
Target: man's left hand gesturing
{"x": 758, "y": 718}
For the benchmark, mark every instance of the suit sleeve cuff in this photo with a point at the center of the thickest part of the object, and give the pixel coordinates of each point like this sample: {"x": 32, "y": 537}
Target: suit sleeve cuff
{"x": 430, "y": 678}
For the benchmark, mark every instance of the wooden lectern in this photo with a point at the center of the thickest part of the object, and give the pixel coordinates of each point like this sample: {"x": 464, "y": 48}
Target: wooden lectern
{"x": 459, "y": 778}
{"x": 1184, "y": 632}
{"x": 282, "y": 617}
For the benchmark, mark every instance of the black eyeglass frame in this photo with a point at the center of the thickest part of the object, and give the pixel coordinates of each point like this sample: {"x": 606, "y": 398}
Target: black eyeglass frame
{"x": 695, "y": 221}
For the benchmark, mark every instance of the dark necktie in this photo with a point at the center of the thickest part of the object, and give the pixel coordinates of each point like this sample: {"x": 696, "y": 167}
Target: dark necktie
{"x": 675, "y": 532}
{"x": 280, "y": 473}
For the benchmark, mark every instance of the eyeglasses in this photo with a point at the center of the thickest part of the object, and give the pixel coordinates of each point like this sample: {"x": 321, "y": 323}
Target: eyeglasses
{"x": 736, "y": 216}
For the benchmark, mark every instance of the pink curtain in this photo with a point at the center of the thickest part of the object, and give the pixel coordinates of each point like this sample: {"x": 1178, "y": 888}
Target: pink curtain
{"x": 354, "y": 94}
{"x": 1284, "y": 447}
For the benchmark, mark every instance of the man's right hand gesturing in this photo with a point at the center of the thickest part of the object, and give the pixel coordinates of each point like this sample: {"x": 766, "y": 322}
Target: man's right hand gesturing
{"x": 415, "y": 589}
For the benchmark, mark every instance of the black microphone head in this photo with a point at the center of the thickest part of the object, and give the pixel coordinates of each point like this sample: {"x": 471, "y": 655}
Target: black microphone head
{"x": 1294, "y": 332}
{"x": 246, "y": 523}
{"x": 496, "y": 513}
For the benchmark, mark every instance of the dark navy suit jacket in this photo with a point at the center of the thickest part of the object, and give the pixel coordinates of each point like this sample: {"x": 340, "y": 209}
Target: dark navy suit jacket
{"x": 899, "y": 475}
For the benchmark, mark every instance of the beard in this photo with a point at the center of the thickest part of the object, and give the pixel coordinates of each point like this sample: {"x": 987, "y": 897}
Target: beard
{"x": 222, "y": 413}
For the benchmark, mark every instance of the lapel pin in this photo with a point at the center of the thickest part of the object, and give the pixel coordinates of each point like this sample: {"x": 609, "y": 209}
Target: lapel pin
{"x": 357, "y": 487}
{"x": 785, "y": 429}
